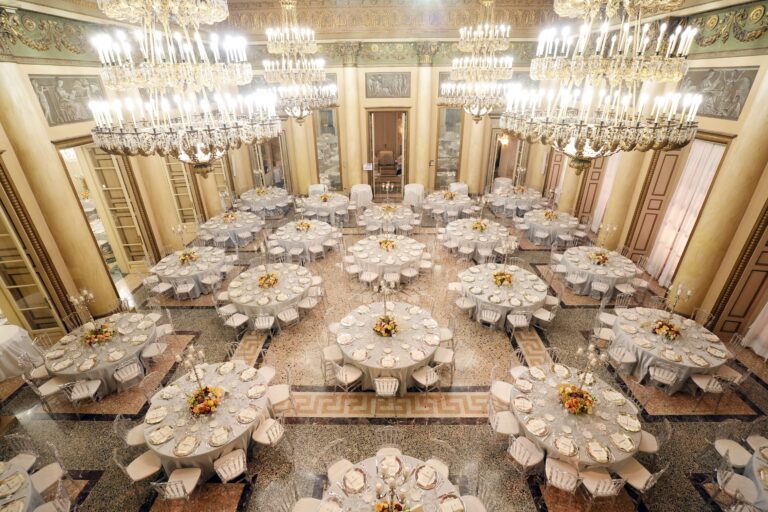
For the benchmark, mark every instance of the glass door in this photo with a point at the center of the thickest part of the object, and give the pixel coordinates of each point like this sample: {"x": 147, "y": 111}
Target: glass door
{"x": 181, "y": 190}
{"x": 388, "y": 150}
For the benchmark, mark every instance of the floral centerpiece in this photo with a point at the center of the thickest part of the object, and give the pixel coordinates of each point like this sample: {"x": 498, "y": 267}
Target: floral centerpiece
{"x": 666, "y": 329}
{"x": 449, "y": 195}
{"x": 229, "y": 217}
{"x": 385, "y": 326}
{"x": 391, "y": 506}
{"x": 85, "y": 193}
{"x": 519, "y": 189}
{"x": 204, "y": 400}
{"x": 388, "y": 208}
{"x": 480, "y": 225}
{"x": 260, "y": 191}
{"x": 502, "y": 278}
{"x": 387, "y": 244}
{"x": 576, "y": 400}
{"x": 187, "y": 257}
{"x": 99, "y": 335}
{"x": 302, "y": 225}
{"x": 550, "y": 214}
{"x": 598, "y": 257}
{"x": 268, "y": 280}
{"x": 325, "y": 197}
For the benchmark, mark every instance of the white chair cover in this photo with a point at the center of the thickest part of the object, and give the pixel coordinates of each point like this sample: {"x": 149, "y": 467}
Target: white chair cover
{"x": 413, "y": 194}
{"x": 361, "y": 194}
{"x": 459, "y": 188}
{"x": 317, "y": 189}
{"x": 501, "y": 183}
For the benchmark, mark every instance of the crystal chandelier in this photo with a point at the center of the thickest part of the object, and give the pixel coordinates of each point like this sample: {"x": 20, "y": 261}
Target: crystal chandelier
{"x": 584, "y": 125}
{"x": 301, "y": 79}
{"x": 181, "y": 12}
{"x": 476, "y": 77}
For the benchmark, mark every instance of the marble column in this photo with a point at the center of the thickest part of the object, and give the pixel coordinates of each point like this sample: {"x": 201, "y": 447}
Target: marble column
{"x": 153, "y": 183}
{"x": 352, "y": 159}
{"x": 570, "y": 190}
{"x": 536, "y": 171}
{"x": 27, "y": 131}
{"x": 472, "y": 171}
{"x": 241, "y": 169}
{"x": 420, "y": 174}
{"x": 617, "y": 210}
{"x": 209, "y": 194}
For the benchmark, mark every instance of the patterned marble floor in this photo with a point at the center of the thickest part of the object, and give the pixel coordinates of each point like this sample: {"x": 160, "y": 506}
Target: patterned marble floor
{"x": 457, "y": 414}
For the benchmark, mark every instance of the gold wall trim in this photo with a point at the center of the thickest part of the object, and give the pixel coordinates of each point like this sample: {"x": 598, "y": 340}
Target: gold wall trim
{"x": 39, "y": 254}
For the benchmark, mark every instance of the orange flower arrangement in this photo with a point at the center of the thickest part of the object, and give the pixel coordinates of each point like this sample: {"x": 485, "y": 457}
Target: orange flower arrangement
{"x": 388, "y": 208}
{"x": 387, "y": 244}
{"x": 666, "y": 330}
{"x": 101, "y": 334}
{"x": 325, "y": 197}
{"x": 550, "y": 214}
{"x": 386, "y": 327}
{"x": 268, "y": 280}
{"x": 204, "y": 400}
{"x": 576, "y": 400}
{"x": 302, "y": 225}
{"x": 229, "y": 217}
{"x": 598, "y": 257}
{"x": 480, "y": 225}
{"x": 260, "y": 191}
{"x": 502, "y": 278}
{"x": 388, "y": 506}
{"x": 448, "y": 195}
{"x": 518, "y": 189}
{"x": 187, "y": 257}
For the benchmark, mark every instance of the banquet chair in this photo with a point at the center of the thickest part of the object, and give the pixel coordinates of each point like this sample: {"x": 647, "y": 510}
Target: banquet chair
{"x": 502, "y": 421}
{"x": 141, "y": 468}
{"x": 652, "y": 444}
{"x": 386, "y": 387}
{"x": 61, "y": 501}
{"x": 485, "y": 501}
{"x": 72, "y": 321}
{"x": 180, "y": 485}
{"x": 520, "y": 263}
{"x": 270, "y": 432}
{"x": 524, "y": 455}
{"x": 625, "y": 288}
{"x": 488, "y": 318}
{"x": 43, "y": 343}
{"x": 551, "y": 300}
{"x": 233, "y": 467}
{"x": 49, "y": 475}
{"x": 756, "y": 435}
{"x": 46, "y": 392}
{"x": 519, "y": 367}
{"x": 655, "y": 302}
{"x": 209, "y": 281}
{"x": 562, "y": 476}
{"x": 389, "y": 439}
{"x": 132, "y": 436}
{"x": 465, "y": 304}
{"x": 624, "y": 251}
{"x": 735, "y": 344}
{"x": 128, "y": 374}
{"x": 346, "y": 377}
{"x": 540, "y": 237}
{"x": 368, "y": 278}
{"x": 25, "y": 454}
{"x": 236, "y": 321}
{"x": 638, "y": 477}
{"x": 264, "y": 322}
{"x": 501, "y": 391}
{"x": 427, "y": 379}
{"x": 517, "y": 320}
{"x": 266, "y": 371}
{"x": 288, "y": 317}
{"x": 599, "y": 288}
{"x": 182, "y": 288}
{"x": 446, "y": 357}
{"x": 243, "y": 237}
{"x": 444, "y": 455}
{"x": 726, "y": 443}
{"x": 392, "y": 279}
{"x": 543, "y": 318}
{"x": 276, "y": 254}
{"x": 408, "y": 274}
{"x": 622, "y": 359}
{"x": 36, "y": 372}
{"x": 575, "y": 279}
{"x": 280, "y": 396}
{"x": 314, "y": 253}
{"x": 739, "y": 488}
{"x": 334, "y": 461}
{"x": 600, "y": 488}
{"x": 663, "y": 376}
{"x": 553, "y": 353}
{"x": 81, "y": 391}
{"x": 150, "y": 385}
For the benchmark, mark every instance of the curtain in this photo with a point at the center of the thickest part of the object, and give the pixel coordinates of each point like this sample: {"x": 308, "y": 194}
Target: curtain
{"x": 757, "y": 335}
{"x": 684, "y": 209}
{"x": 606, "y": 186}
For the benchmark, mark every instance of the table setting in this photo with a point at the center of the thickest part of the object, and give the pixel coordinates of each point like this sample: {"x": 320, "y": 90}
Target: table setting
{"x": 476, "y": 233}
{"x": 388, "y": 216}
{"x": 655, "y": 335}
{"x": 387, "y": 253}
{"x": 598, "y": 263}
{"x": 229, "y": 223}
{"x": 17, "y": 494}
{"x": 575, "y": 416}
{"x": 190, "y": 263}
{"x": 388, "y": 339}
{"x": 757, "y": 471}
{"x": 207, "y": 412}
{"x": 511, "y": 198}
{"x": 503, "y": 288}
{"x": 302, "y": 234}
{"x": 264, "y": 198}
{"x": 269, "y": 289}
{"x": 553, "y": 222}
{"x": 96, "y": 349}
{"x": 14, "y": 341}
{"x": 448, "y": 201}
{"x": 329, "y": 202}
{"x": 390, "y": 483}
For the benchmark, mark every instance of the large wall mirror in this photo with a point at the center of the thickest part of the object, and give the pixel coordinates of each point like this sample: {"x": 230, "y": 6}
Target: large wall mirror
{"x": 327, "y": 145}
{"x": 448, "y": 147}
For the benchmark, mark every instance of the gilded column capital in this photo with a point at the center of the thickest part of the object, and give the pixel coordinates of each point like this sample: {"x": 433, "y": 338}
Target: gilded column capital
{"x": 426, "y": 51}
{"x": 348, "y": 52}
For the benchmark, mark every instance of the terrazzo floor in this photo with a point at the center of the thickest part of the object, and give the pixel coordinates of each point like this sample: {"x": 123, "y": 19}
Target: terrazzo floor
{"x": 457, "y": 415}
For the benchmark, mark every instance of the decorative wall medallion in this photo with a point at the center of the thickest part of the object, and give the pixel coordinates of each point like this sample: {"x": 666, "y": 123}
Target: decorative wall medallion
{"x": 40, "y": 33}
{"x": 747, "y": 24}
{"x": 724, "y": 90}
{"x": 387, "y": 85}
{"x": 64, "y": 98}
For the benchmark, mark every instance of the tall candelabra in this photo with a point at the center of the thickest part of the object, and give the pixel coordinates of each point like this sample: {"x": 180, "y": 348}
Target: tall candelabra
{"x": 605, "y": 232}
{"x": 81, "y": 301}
{"x": 676, "y": 295}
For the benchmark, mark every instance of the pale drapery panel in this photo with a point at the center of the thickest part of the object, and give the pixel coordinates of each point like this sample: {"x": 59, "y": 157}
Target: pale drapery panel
{"x": 757, "y": 335}
{"x": 684, "y": 209}
{"x": 605, "y": 191}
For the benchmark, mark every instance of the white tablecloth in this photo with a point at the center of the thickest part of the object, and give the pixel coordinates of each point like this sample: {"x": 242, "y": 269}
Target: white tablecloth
{"x": 526, "y": 294}
{"x": 462, "y": 232}
{"x": 417, "y": 331}
{"x": 244, "y": 221}
{"x": 132, "y": 332}
{"x": 617, "y": 270}
{"x": 388, "y": 216}
{"x": 184, "y": 424}
{"x": 371, "y": 257}
{"x": 363, "y": 500}
{"x": 536, "y": 222}
{"x": 264, "y": 198}
{"x": 170, "y": 270}
{"x": 752, "y": 471}
{"x": 335, "y": 202}
{"x": 580, "y": 428}
{"x": 633, "y": 330}
{"x": 288, "y": 237}
{"x": 14, "y": 341}
{"x": 27, "y": 493}
{"x": 506, "y": 197}
{"x": 437, "y": 200}
{"x": 293, "y": 283}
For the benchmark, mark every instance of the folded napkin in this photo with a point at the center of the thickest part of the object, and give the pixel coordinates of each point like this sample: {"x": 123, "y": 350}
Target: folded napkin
{"x": 116, "y": 355}
{"x": 671, "y": 355}
{"x": 186, "y": 446}
{"x": 716, "y": 352}
{"x": 390, "y": 466}
{"x": 87, "y": 364}
{"x": 54, "y": 354}
{"x": 417, "y": 355}
{"x": 562, "y": 371}
{"x": 156, "y": 415}
{"x": 136, "y": 340}
{"x": 354, "y": 480}
{"x": 226, "y": 368}
{"x": 537, "y": 427}
{"x": 248, "y": 374}
{"x": 387, "y": 361}
{"x": 565, "y": 445}
{"x": 698, "y": 360}
{"x": 20, "y": 505}
{"x": 522, "y": 404}
{"x": 537, "y": 373}
{"x": 614, "y": 397}
{"x": 623, "y": 442}
{"x": 256, "y": 391}
{"x": 247, "y": 415}
{"x": 219, "y": 436}
{"x": 452, "y": 504}
{"x": 169, "y": 392}
{"x": 597, "y": 451}
{"x": 161, "y": 435}
{"x": 64, "y": 363}
{"x": 524, "y": 385}
{"x": 628, "y": 422}
{"x": 426, "y": 476}
{"x": 11, "y": 484}
{"x": 359, "y": 355}
{"x": 146, "y": 324}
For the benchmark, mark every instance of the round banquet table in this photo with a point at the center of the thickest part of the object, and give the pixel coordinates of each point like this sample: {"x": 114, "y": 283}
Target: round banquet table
{"x": 526, "y": 294}
{"x": 15, "y": 477}
{"x": 371, "y": 257}
{"x": 293, "y": 283}
{"x": 613, "y": 423}
{"x": 464, "y": 234}
{"x": 697, "y": 350}
{"x": 70, "y": 357}
{"x": 617, "y": 270}
{"x": 412, "y": 347}
{"x": 288, "y": 237}
{"x": 335, "y": 202}
{"x": 168, "y": 409}
{"x": 170, "y": 270}
{"x": 757, "y": 471}
{"x": 243, "y": 221}
{"x": 536, "y": 222}
{"x": 388, "y": 216}
{"x": 14, "y": 341}
{"x": 429, "y": 489}
{"x": 264, "y": 198}
{"x": 438, "y": 201}
{"x": 507, "y": 198}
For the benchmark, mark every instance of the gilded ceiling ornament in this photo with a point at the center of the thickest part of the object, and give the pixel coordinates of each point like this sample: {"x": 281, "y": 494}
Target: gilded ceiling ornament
{"x": 42, "y": 34}
{"x": 746, "y": 25}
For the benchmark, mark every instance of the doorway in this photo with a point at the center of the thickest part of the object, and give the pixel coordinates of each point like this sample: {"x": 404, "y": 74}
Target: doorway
{"x": 269, "y": 165}
{"x": 387, "y": 144}
{"x": 507, "y": 155}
